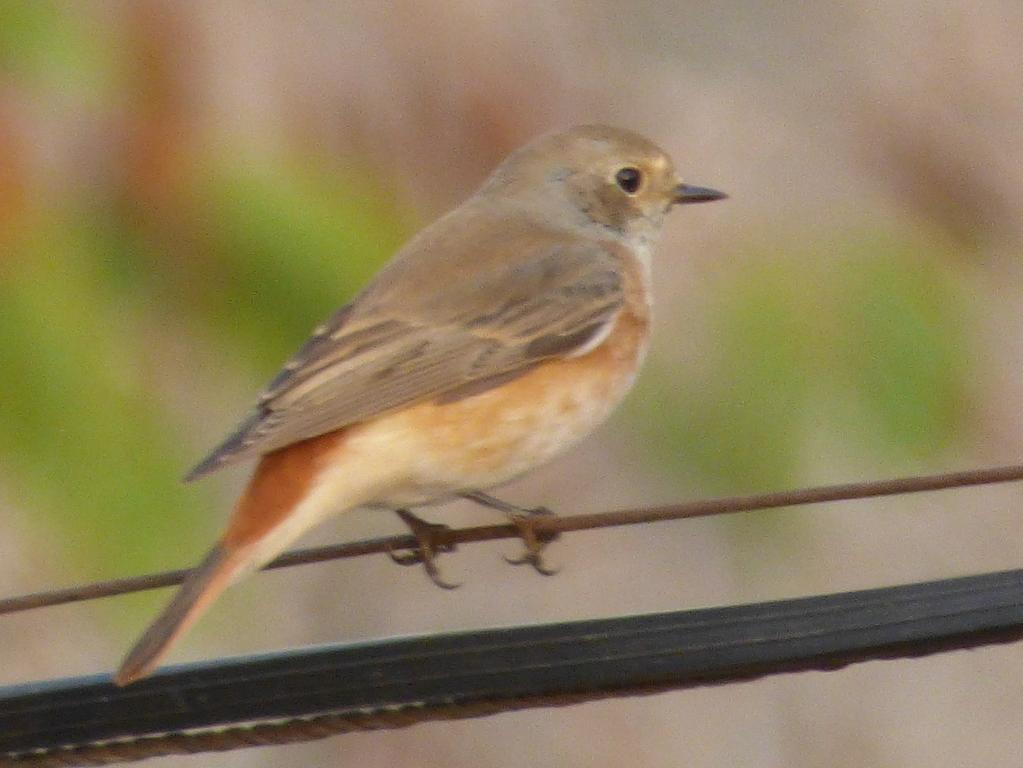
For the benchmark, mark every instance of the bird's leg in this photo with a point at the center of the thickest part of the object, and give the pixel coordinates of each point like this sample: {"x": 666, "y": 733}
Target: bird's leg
{"x": 522, "y": 518}
{"x": 486, "y": 500}
{"x": 428, "y": 547}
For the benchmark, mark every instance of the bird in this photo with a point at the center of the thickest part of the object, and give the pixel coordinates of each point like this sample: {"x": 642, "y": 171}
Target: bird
{"x": 496, "y": 338}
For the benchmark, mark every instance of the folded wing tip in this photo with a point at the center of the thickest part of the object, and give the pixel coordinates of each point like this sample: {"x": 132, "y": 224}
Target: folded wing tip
{"x": 232, "y": 449}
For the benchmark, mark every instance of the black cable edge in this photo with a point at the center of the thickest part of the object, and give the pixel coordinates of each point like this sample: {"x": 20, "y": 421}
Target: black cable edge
{"x": 500, "y": 669}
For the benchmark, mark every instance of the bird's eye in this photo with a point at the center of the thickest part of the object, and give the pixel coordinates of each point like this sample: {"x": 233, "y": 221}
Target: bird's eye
{"x": 629, "y": 180}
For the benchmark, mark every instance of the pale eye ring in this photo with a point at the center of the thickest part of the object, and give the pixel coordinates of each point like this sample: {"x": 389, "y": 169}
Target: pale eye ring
{"x": 629, "y": 179}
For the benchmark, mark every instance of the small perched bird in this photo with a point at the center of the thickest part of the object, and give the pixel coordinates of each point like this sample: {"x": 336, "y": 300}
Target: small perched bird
{"x": 499, "y": 336}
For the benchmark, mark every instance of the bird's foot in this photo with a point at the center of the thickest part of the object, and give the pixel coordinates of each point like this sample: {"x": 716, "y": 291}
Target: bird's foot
{"x": 428, "y": 547}
{"x": 534, "y": 542}
{"x": 524, "y": 521}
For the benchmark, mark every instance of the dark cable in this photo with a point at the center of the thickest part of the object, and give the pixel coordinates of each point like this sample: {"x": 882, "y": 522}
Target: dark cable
{"x": 315, "y": 692}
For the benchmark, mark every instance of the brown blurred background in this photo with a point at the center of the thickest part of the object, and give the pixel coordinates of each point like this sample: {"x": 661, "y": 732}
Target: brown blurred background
{"x": 187, "y": 188}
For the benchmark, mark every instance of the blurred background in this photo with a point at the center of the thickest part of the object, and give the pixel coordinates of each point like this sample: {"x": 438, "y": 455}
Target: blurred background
{"x": 186, "y": 189}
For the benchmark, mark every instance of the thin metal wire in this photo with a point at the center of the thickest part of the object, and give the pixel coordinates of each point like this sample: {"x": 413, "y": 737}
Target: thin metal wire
{"x": 547, "y": 527}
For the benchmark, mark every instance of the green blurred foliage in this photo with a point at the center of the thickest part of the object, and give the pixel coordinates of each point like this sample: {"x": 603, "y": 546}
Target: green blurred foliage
{"x": 81, "y": 436}
{"x": 48, "y": 44}
{"x": 866, "y": 336}
{"x": 84, "y": 434}
{"x": 269, "y": 247}
{"x": 290, "y": 244}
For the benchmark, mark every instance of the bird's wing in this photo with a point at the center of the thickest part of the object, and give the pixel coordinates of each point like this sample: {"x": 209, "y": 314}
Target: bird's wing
{"x": 453, "y": 341}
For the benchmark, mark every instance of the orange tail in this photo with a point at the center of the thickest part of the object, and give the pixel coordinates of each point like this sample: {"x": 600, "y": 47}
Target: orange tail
{"x": 258, "y": 530}
{"x": 202, "y": 587}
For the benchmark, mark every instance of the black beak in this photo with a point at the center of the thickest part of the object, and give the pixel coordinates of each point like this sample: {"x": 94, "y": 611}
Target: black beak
{"x": 686, "y": 193}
